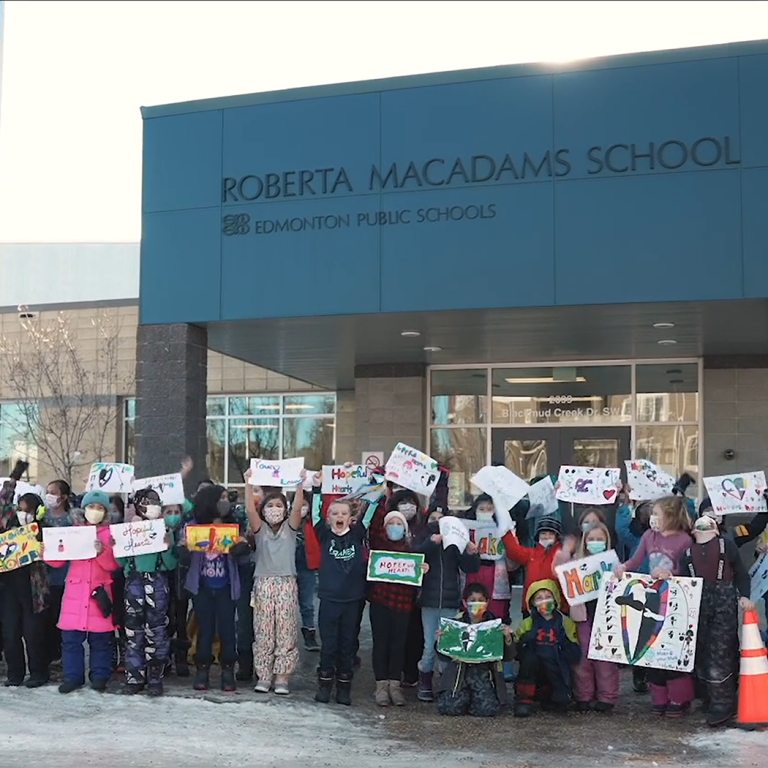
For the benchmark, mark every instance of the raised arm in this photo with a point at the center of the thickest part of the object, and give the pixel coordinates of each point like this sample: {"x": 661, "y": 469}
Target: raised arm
{"x": 254, "y": 518}
{"x": 515, "y": 550}
{"x": 294, "y": 521}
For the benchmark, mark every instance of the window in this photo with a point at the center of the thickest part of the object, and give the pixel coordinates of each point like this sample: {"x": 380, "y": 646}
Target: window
{"x": 245, "y": 427}
{"x": 16, "y": 439}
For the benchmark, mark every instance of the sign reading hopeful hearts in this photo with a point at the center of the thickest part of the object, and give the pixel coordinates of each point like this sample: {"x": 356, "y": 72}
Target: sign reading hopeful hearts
{"x": 735, "y": 493}
{"x": 588, "y": 485}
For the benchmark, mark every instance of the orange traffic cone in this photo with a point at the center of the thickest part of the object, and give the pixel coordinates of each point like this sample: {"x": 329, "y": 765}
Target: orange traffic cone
{"x": 753, "y": 683}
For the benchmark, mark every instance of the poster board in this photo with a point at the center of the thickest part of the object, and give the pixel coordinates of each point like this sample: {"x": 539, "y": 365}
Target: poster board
{"x": 487, "y": 538}
{"x": 284, "y": 473}
{"x": 542, "y": 498}
{"x": 646, "y": 481}
{"x": 594, "y": 486}
{"x": 66, "y": 544}
{"x": 758, "y": 575}
{"x": 338, "y": 479}
{"x": 110, "y": 477}
{"x": 646, "y": 622}
{"x": 212, "y": 538}
{"x": 737, "y": 493}
{"x": 170, "y": 488}
{"x": 142, "y": 537}
{"x": 20, "y": 547}
{"x": 453, "y": 532}
{"x": 396, "y": 567}
{"x": 580, "y": 579}
{"x": 412, "y": 469}
{"x": 471, "y": 643}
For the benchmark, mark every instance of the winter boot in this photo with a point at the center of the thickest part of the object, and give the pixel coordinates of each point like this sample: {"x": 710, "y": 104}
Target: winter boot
{"x": 639, "y": 683}
{"x": 426, "y": 692}
{"x": 344, "y": 690}
{"x": 202, "y": 678}
{"x": 523, "y": 710}
{"x": 155, "y": 678}
{"x": 381, "y": 697}
{"x": 228, "y": 678}
{"x": 324, "y": 686}
{"x": 181, "y": 662}
{"x": 396, "y": 693}
{"x": 310, "y": 640}
{"x": 719, "y": 716}
{"x": 99, "y": 685}
{"x": 245, "y": 668}
{"x": 69, "y": 685}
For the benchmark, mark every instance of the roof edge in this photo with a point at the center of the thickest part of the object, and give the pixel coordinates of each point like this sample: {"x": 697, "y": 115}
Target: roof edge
{"x": 647, "y": 58}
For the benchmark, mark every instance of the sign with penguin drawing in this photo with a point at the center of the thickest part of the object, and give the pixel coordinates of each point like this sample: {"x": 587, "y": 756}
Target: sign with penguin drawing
{"x": 647, "y": 622}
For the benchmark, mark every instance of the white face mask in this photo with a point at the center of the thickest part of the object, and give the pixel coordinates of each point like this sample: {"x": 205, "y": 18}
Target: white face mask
{"x": 407, "y": 509}
{"x": 51, "y": 501}
{"x": 274, "y": 514}
{"x": 654, "y": 523}
{"x": 153, "y": 511}
{"x": 94, "y": 514}
{"x": 24, "y": 518}
{"x": 484, "y": 517}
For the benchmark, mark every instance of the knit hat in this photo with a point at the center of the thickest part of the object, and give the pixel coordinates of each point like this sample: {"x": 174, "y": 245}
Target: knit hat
{"x": 706, "y": 503}
{"x": 396, "y": 515}
{"x": 96, "y": 497}
{"x": 549, "y": 523}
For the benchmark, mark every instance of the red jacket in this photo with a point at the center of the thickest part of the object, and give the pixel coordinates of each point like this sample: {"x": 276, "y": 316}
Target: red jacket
{"x": 538, "y": 563}
{"x": 311, "y": 542}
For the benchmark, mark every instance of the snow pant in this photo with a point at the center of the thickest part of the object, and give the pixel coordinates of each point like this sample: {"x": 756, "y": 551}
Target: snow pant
{"x": 541, "y": 676}
{"x": 389, "y": 630}
{"x": 275, "y": 626}
{"x": 430, "y": 623}
{"x": 670, "y": 687}
{"x": 717, "y": 648}
{"x": 51, "y": 632}
{"x": 307, "y": 581}
{"x": 474, "y": 694}
{"x": 73, "y": 655}
{"x": 594, "y": 680}
{"x": 245, "y": 619}
{"x": 147, "y": 646}
{"x": 23, "y": 627}
{"x": 215, "y": 611}
{"x": 339, "y": 625}
{"x": 414, "y": 646}
{"x": 178, "y": 610}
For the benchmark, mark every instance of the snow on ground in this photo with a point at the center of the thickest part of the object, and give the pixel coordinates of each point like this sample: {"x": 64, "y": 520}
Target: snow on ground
{"x": 740, "y": 747}
{"x": 48, "y": 730}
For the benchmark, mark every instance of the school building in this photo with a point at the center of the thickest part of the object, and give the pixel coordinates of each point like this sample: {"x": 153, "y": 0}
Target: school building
{"x": 535, "y": 264}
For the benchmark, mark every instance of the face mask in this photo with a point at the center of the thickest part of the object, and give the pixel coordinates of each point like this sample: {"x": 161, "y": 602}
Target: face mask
{"x": 274, "y": 515}
{"x": 595, "y": 547}
{"x": 484, "y": 517}
{"x": 152, "y": 511}
{"x": 222, "y": 508}
{"x": 545, "y": 606}
{"x": 24, "y": 518}
{"x": 702, "y": 537}
{"x": 654, "y": 523}
{"x": 305, "y": 510}
{"x": 547, "y": 543}
{"x": 476, "y": 609}
{"x": 587, "y": 527}
{"x": 395, "y": 532}
{"x": 94, "y": 514}
{"x": 408, "y": 510}
{"x": 173, "y": 521}
{"x": 51, "y": 501}
{"x": 433, "y": 526}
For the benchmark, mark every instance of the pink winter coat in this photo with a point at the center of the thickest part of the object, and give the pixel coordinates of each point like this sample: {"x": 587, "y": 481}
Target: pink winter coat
{"x": 79, "y": 611}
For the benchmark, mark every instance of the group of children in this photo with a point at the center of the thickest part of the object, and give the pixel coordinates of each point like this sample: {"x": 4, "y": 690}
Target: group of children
{"x": 249, "y": 604}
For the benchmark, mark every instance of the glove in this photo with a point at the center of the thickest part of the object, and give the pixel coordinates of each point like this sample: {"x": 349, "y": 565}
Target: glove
{"x": 682, "y": 484}
{"x": 19, "y": 469}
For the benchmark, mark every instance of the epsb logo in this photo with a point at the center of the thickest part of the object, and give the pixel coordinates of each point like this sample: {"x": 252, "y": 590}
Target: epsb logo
{"x": 236, "y": 224}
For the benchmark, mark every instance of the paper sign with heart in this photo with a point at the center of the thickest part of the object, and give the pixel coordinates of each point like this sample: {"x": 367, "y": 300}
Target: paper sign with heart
{"x": 588, "y": 485}
{"x": 737, "y": 493}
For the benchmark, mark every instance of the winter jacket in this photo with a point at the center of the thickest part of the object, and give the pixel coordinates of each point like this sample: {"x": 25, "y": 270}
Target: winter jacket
{"x": 452, "y": 675}
{"x": 79, "y": 610}
{"x": 57, "y": 577}
{"x": 193, "y": 561}
{"x": 743, "y": 534}
{"x": 29, "y": 579}
{"x": 441, "y": 585}
{"x": 566, "y": 646}
{"x": 537, "y": 560}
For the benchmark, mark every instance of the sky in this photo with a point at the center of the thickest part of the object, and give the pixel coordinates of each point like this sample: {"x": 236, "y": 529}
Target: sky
{"x": 74, "y": 75}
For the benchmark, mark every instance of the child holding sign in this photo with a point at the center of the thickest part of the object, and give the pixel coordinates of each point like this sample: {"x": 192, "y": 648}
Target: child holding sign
{"x": 594, "y": 681}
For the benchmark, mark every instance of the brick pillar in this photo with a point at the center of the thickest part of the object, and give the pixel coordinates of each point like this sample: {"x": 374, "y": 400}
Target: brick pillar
{"x": 390, "y": 406}
{"x": 171, "y": 392}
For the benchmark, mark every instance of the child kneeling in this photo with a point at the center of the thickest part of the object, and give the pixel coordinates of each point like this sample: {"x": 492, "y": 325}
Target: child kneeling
{"x": 547, "y": 649}
{"x": 475, "y": 689}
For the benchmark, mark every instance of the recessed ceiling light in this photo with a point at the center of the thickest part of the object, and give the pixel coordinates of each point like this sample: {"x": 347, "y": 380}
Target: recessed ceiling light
{"x": 675, "y": 381}
{"x": 672, "y": 371}
{"x": 666, "y": 342}
{"x": 433, "y": 349}
{"x": 663, "y": 325}
{"x": 410, "y": 334}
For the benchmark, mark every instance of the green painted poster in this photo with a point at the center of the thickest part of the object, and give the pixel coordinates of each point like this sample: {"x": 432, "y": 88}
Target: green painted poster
{"x": 471, "y": 643}
{"x": 396, "y": 567}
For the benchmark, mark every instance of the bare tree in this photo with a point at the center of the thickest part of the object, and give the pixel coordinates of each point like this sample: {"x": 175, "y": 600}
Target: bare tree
{"x": 67, "y": 403}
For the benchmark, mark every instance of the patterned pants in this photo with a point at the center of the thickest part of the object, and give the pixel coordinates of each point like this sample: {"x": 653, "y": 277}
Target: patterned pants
{"x": 147, "y": 645}
{"x": 275, "y": 626}
{"x": 475, "y": 695}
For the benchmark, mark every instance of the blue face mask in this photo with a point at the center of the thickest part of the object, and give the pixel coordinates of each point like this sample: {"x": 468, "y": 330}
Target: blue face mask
{"x": 173, "y": 521}
{"x": 587, "y": 527}
{"x": 395, "y": 532}
{"x": 595, "y": 547}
